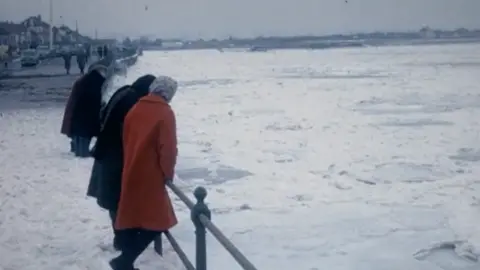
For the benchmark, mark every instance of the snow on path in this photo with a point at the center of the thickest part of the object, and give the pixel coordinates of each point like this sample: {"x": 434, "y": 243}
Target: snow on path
{"x": 46, "y": 222}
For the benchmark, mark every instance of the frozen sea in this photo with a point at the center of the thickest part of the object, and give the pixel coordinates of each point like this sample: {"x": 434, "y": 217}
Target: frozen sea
{"x": 348, "y": 159}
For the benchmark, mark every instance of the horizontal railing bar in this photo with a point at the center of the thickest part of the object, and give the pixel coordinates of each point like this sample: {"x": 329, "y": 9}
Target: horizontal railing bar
{"x": 227, "y": 244}
{"x": 181, "y": 254}
{"x": 181, "y": 195}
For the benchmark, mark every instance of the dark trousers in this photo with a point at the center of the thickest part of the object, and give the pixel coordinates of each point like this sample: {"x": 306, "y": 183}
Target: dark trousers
{"x": 72, "y": 145}
{"x": 136, "y": 241}
{"x": 116, "y": 238}
{"x": 80, "y": 146}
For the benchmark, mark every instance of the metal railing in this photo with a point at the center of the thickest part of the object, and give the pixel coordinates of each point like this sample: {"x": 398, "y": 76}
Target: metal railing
{"x": 201, "y": 217}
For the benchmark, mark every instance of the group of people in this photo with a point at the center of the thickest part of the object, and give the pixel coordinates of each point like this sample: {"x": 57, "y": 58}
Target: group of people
{"x": 102, "y": 51}
{"x": 134, "y": 155}
{"x": 82, "y": 58}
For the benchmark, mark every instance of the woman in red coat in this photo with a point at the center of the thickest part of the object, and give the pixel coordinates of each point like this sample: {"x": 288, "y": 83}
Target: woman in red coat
{"x": 150, "y": 154}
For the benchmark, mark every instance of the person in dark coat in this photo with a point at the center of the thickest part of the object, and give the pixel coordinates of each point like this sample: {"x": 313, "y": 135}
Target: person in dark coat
{"x": 81, "y": 60}
{"x": 66, "y": 127}
{"x": 67, "y": 61}
{"x": 105, "y": 51}
{"x": 67, "y": 114}
{"x": 81, "y": 119}
{"x": 100, "y": 51}
{"x": 105, "y": 179}
{"x": 88, "y": 52}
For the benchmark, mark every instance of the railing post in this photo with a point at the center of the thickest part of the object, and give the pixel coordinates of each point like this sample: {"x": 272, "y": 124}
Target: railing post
{"x": 200, "y": 208}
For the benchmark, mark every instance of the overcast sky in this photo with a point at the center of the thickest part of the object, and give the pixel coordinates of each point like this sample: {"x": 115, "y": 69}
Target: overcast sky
{"x": 221, "y": 18}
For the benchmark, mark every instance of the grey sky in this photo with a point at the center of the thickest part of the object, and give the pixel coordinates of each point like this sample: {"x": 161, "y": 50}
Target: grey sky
{"x": 221, "y": 18}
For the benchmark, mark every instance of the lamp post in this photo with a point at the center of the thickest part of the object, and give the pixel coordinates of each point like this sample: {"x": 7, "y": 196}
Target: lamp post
{"x": 51, "y": 24}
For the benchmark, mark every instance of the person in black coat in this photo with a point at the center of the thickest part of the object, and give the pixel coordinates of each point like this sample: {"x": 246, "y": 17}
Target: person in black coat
{"x": 105, "y": 180}
{"x": 100, "y": 52}
{"x": 85, "y": 110}
{"x": 88, "y": 52}
{"x": 105, "y": 50}
{"x": 67, "y": 61}
{"x": 81, "y": 60}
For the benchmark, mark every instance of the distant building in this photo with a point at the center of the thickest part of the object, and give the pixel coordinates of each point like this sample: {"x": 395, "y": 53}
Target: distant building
{"x": 36, "y": 31}
{"x": 33, "y": 31}
{"x": 463, "y": 32}
{"x": 12, "y": 34}
{"x": 427, "y": 32}
{"x": 104, "y": 41}
{"x": 172, "y": 44}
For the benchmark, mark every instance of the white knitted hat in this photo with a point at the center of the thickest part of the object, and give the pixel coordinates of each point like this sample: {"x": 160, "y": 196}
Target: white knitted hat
{"x": 165, "y": 87}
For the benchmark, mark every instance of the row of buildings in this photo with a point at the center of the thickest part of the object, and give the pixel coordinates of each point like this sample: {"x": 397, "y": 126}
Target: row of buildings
{"x": 33, "y": 31}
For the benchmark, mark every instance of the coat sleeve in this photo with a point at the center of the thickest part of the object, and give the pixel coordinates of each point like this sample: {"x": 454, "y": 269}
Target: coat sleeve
{"x": 77, "y": 91}
{"x": 167, "y": 144}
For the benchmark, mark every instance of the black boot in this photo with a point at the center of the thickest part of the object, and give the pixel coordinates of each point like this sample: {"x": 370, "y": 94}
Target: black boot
{"x": 72, "y": 145}
{"x": 117, "y": 264}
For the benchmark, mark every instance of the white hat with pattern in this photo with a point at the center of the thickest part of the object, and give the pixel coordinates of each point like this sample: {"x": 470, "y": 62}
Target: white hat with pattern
{"x": 165, "y": 87}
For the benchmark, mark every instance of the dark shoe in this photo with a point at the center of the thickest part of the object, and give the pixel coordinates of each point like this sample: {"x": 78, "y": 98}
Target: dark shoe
{"x": 72, "y": 146}
{"x": 116, "y": 264}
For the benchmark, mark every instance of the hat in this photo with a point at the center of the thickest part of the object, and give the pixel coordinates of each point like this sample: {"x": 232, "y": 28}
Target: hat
{"x": 165, "y": 87}
{"x": 142, "y": 84}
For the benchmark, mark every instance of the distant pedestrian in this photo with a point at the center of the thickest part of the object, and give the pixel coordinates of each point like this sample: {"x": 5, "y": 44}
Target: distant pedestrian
{"x": 150, "y": 152}
{"x": 67, "y": 61}
{"x": 10, "y": 51}
{"x": 81, "y": 118}
{"x": 105, "y": 180}
{"x": 105, "y": 51}
{"x": 81, "y": 59}
{"x": 100, "y": 51}
{"x": 88, "y": 52}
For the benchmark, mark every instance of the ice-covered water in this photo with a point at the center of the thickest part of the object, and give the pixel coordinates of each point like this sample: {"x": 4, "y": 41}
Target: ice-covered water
{"x": 338, "y": 159}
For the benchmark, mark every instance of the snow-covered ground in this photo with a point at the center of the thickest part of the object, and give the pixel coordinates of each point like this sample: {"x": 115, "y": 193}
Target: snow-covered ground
{"x": 339, "y": 159}
{"x": 46, "y": 222}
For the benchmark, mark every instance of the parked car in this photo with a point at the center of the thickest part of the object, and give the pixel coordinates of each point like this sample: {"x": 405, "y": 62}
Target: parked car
{"x": 43, "y": 52}
{"x": 29, "y": 58}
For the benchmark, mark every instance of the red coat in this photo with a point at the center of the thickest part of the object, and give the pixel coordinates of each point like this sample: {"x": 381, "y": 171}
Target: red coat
{"x": 150, "y": 154}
